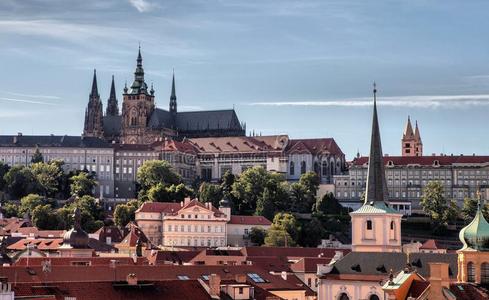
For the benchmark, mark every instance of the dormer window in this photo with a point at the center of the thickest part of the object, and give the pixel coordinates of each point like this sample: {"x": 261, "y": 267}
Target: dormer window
{"x": 436, "y": 163}
{"x": 390, "y": 163}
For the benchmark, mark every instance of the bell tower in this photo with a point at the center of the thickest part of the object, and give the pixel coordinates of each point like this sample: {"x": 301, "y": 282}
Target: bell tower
{"x": 94, "y": 113}
{"x": 137, "y": 107}
{"x": 411, "y": 143}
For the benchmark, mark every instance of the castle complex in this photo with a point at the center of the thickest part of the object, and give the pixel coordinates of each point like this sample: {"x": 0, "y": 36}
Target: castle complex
{"x": 141, "y": 122}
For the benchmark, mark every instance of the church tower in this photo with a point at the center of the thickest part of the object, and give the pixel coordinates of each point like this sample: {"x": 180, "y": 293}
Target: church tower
{"x": 137, "y": 107}
{"x": 94, "y": 112}
{"x": 375, "y": 226}
{"x": 411, "y": 141}
{"x": 173, "y": 102}
{"x": 112, "y": 104}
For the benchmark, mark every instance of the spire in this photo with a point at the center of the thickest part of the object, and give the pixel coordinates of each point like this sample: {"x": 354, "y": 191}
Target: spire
{"x": 94, "y": 92}
{"x": 139, "y": 86}
{"x": 112, "y": 105}
{"x": 173, "y": 96}
{"x": 376, "y": 184}
{"x": 408, "y": 130}
{"x": 417, "y": 135}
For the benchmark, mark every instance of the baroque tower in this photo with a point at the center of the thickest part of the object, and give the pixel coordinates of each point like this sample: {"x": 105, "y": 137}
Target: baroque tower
{"x": 94, "y": 112}
{"x": 411, "y": 141}
{"x": 137, "y": 107}
{"x": 112, "y": 104}
{"x": 375, "y": 226}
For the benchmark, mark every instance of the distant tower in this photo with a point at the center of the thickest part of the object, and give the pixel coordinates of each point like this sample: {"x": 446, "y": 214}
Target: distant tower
{"x": 112, "y": 104}
{"x": 411, "y": 141}
{"x": 173, "y": 101}
{"x": 375, "y": 226}
{"x": 94, "y": 112}
{"x": 137, "y": 106}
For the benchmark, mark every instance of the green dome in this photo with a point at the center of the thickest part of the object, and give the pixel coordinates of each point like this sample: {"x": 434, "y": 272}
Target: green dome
{"x": 476, "y": 234}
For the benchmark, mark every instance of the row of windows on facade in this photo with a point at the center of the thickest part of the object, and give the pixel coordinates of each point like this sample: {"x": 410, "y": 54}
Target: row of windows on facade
{"x": 324, "y": 168}
{"x": 344, "y": 296}
{"x": 484, "y": 269}
{"x": 403, "y": 183}
{"x": 66, "y": 159}
{"x": 195, "y": 242}
{"x": 417, "y": 194}
{"x": 404, "y": 173}
{"x": 199, "y": 228}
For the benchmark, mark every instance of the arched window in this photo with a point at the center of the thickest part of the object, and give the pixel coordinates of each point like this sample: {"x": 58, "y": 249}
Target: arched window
{"x": 291, "y": 168}
{"x": 374, "y": 297}
{"x": 343, "y": 296}
{"x": 316, "y": 168}
{"x": 331, "y": 166}
{"x": 134, "y": 117}
{"x": 369, "y": 224}
{"x": 392, "y": 232}
{"x": 325, "y": 168}
{"x": 303, "y": 167}
{"x": 470, "y": 272}
{"x": 485, "y": 273}
{"x": 392, "y": 225}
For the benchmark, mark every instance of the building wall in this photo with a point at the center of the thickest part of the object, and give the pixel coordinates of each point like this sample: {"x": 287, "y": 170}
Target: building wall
{"x": 355, "y": 290}
{"x": 238, "y": 234}
{"x": 382, "y": 237}
{"x": 406, "y": 184}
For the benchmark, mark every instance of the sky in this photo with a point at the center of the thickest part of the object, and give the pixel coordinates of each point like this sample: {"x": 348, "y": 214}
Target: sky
{"x": 304, "y": 68}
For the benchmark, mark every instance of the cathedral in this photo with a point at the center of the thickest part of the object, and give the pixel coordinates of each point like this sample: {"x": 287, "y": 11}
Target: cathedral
{"x": 141, "y": 122}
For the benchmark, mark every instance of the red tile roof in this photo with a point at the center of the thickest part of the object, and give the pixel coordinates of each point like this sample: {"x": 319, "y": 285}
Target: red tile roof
{"x": 430, "y": 245}
{"x": 249, "y": 220}
{"x": 291, "y": 252}
{"x": 173, "y": 257}
{"x": 39, "y": 244}
{"x": 469, "y": 291}
{"x": 241, "y": 144}
{"x": 314, "y": 146}
{"x": 68, "y": 261}
{"x": 159, "y": 207}
{"x": 427, "y": 160}
{"x": 309, "y": 264}
{"x": 417, "y": 288}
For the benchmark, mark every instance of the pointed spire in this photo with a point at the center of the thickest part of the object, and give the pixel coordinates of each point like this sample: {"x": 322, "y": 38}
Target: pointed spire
{"x": 173, "y": 96}
{"x": 112, "y": 105}
{"x": 94, "y": 92}
{"x": 417, "y": 135}
{"x": 376, "y": 184}
{"x": 139, "y": 85}
{"x": 408, "y": 130}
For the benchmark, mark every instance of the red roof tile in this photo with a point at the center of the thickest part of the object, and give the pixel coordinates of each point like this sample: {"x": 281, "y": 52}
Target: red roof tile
{"x": 249, "y": 220}
{"x": 430, "y": 245}
{"x": 314, "y": 146}
{"x": 309, "y": 264}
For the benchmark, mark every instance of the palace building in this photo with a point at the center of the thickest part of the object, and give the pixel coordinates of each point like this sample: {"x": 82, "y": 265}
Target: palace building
{"x": 141, "y": 122}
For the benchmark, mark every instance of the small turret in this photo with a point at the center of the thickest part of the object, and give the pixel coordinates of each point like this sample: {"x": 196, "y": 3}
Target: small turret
{"x": 476, "y": 235}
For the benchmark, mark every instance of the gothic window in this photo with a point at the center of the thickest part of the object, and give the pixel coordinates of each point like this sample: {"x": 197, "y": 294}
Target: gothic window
{"x": 343, "y": 296}
{"x": 303, "y": 167}
{"x": 485, "y": 273}
{"x": 325, "y": 168}
{"x": 470, "y": 272}
{"x": 291, "y": 168}
{"x": 134, "y": 117}
{"x": 316, "y": 168}
{"x": 369, "y": 224}
{"x": 332, "y": 172}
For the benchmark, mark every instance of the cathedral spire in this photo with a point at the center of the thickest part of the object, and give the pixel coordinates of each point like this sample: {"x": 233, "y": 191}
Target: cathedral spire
{"x": 94, "y": 92}
{"x": 173, "y": 96}
{"x": 417, "y": 135}
{"x": 112, "y": 104}
{"x": 139, "y": 86}
{"x": 408, "y": 130}
{"x": 376, "y": 184}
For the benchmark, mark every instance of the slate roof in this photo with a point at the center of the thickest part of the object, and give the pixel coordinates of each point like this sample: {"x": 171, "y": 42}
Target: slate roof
{"x": 65, "y": 141}
{"x": 159, "y": 119}
{"x": 112, "y": 125}
{"x": 208, "y": 120}
{"x": 379, "y": 264}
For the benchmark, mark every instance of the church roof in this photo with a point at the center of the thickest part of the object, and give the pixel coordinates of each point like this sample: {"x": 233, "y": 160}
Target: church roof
{"x": 52, "y": 141}
{"x": 314, "y": 146}
{"x": 476, "y": 234}
{"x": 207, "y": 120}
{"x": 408, "y": 130}
{"x": 159, "y": 119}
{"x": 112, "y": 125}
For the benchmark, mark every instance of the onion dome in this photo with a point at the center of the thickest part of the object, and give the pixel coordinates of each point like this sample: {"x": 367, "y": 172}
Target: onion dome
{"x": 476, "y": 234}
{"x": 76, "y": 237}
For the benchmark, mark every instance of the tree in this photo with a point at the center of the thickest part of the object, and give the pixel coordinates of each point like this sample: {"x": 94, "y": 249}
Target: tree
{"x": 10, "y": 210}
{"x": 158, "y": 193}
{"x": 298, "y": 198}
{"x": 44, "y": 217}
{"x": 178, "y": 192}
{"x": 434, "y": 203}
{"x": 257, "y": 235}
{"x": 47, "y": 176}
{"x": 20, "y": 181}
{"x": 278, "y": 238}
{"x": 125, "y": 213}
{"x": 287, "y": 222}
{"x": 30, "y": 202}
{"x": 469, "y": 209}
{"x": 311, "y": 233}
{"x": 37, "y": 156}
{"x": 82, "y": 184}
{"x": 4, "y": 168}
{"x": 153, "y": 172}
{"x": 209, "y": 192}
{"x": 329, "y": 205}
{"x": 265, "y": 206}
{"x": 92, "y": 214}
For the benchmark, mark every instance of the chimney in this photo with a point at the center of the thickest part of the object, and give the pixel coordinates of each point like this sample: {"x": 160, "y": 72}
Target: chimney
{"x": 439, "y": 280}
{"x": 240, "y": 278}
{"x": 186, "y": 201}
{"x": 284, "y": 275}
{"x": 181, "y": 203}
{"x": 214, "y": 285}
{"x": 132, "y": 279}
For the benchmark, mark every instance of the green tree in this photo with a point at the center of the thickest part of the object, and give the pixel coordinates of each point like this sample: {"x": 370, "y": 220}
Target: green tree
{"x": 44, "y": 217}
{"x": 158, "y": 193}
{"x": 153, "y": 172}
{"x": 82, "y": 184}
{"x": 329, "y": 205}
{"x": 278, "y": 238}
{"x": 37, "y": 156}
{"x": 299, "y": 198}
{"x": 47, "y": 176}
{"x": 178, "y": 192}
{"x": 209, "y": 192}
{"x": 30, "y": 202}
{"x": 435, "y": 205}
{"x": 10, "y": 210}
{"x": 265, "y": 206}
{"x": 257, "y": 235}
{"x": 20, "y": 182}
{"x": 311, "y": 233}
{"x": 469, "y": 209}
{"x": 125, "y": 213}
{"x": 4, "y": 168}
{"x": 287, "y": 222}
{"x": 92, "y": 214}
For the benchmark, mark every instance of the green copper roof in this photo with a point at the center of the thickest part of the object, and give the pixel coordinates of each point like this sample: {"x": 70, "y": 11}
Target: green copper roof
{"x": 476, "y": 234}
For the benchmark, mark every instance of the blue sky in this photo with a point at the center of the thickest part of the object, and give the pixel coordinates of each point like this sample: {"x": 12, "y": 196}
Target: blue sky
{"x": 299, "y": 67}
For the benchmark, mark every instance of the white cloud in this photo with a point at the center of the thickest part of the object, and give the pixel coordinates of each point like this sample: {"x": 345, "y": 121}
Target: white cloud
{"x": 34, "y": 96}
{"x": 436, "y": 101}
{"x": 142, "y": 5}
{"x": 26, "y": 101}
